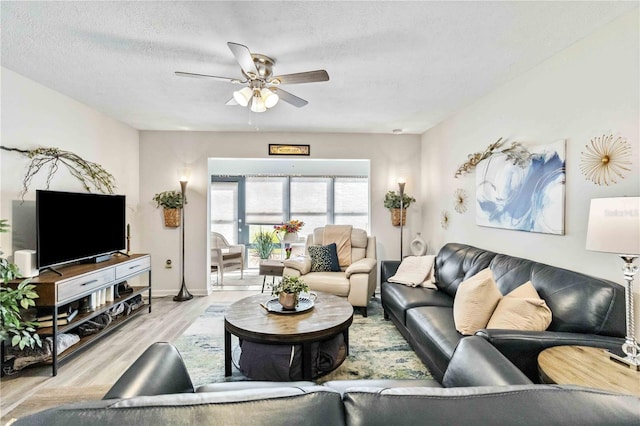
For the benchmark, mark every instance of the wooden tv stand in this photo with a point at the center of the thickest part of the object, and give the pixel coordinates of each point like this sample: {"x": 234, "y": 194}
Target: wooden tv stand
{"x": 81, "y": 280}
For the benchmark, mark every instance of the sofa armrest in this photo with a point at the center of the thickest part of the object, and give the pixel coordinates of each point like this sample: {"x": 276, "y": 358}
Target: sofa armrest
{"x": 476, "y": 362}
{"x": 301, "y": 264}
{"x": 362, "y": 266}
{"x": 523, "y": 347}
{"x": 388, "y": 269}
{"x": 158, "y": 371}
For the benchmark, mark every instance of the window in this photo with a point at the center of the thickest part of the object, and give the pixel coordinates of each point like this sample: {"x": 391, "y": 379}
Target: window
{"x": 244, "y": 205}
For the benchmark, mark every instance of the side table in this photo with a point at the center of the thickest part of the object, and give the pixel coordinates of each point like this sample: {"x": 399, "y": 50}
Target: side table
{"x": 587, "y": 366}
{"x": 272, "y": 268}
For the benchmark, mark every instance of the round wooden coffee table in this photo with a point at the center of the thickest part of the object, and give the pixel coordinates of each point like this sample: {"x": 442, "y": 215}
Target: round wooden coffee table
{"x": 587, "y": 366}
{"x": 248, "y": 320}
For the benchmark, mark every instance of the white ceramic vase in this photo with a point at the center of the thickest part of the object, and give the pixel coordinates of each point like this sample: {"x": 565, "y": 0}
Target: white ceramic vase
{"x": 418, "y": 246}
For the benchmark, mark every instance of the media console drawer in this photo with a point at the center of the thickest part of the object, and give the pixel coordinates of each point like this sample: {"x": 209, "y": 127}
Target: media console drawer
{"x": 84, "y": 284}
{"x": 132, "y": 267}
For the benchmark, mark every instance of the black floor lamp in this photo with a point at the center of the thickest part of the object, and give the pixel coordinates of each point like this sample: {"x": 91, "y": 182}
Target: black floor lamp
{"x": 401, "y": 183}
{"x": 184, "y": 294}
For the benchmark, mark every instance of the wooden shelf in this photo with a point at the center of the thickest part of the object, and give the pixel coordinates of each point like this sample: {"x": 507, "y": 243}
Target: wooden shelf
{"x": 81, "y": 280}
{"x": 86, "y": 316}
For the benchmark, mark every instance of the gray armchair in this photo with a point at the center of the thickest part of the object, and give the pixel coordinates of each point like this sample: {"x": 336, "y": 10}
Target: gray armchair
{"x": 356, "y": 281}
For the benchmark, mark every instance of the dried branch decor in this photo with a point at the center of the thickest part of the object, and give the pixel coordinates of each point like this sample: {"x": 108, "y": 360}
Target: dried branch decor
{"x": 606, "y": 159}
{"x": 88, "y": 173}
{"x": 517, "y": 153}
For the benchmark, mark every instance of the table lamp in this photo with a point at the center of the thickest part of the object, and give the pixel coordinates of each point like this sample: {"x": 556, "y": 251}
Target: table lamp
{"x": 614, "y": 227}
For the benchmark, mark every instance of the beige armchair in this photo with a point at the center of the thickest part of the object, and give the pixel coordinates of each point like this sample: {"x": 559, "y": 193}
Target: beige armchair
{"x": 356, "y": 281}
{"x": 225, "y": 256}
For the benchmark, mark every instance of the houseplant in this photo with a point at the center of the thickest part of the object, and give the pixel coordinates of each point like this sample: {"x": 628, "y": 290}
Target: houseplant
{"x": 263, "y": 243}
{"x": 392, "y": 202}
{"x": 13, "y": 302}
{"x": 288, "y": 290}
{"x": 171, "y": 203}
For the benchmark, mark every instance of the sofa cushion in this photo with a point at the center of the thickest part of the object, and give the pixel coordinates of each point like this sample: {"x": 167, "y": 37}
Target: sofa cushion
{"x": 522, "y": 309}
{"x": 324, "y": 258}
{"x": 579, "y": 303}
{"x": 475, "y": 301}
{"x": 433, "y": 334}
{"x": 313, "y": 405}
{"x": 489, "y": 405}
{"x": 457, "y": 262}
{"x": 398, "y": 298}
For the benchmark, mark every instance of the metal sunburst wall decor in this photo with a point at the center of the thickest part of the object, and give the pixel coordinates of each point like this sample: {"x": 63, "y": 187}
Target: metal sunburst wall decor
{"x": 460, "y": 198}
{"x": 606, "y": 159}
{"x": 444, "y": 219}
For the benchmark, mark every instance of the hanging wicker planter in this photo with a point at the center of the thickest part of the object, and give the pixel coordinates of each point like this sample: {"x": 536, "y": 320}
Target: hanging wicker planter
{"x": 395, "y": 217}
{"x": 171, "y": 218}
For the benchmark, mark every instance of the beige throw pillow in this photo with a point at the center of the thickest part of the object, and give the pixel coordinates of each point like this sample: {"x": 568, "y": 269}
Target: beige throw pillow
{"x": 475, "y": 301}
{"x": 522, "y": 309}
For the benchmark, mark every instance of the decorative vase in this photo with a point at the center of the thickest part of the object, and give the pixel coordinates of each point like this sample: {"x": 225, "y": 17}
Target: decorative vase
{"x": 289, "y": 301}
{"x": 418, "y": 246}
{"x": 290, "y": 237}
{"x": 171, "y": 218}
{"x": 395, "y": 217}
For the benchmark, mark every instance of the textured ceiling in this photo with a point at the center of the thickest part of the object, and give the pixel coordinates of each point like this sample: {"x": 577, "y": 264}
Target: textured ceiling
{"x": 392, "y": 65}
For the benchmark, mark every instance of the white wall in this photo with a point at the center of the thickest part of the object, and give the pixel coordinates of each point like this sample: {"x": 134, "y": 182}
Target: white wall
{"x": 163, "y": 153}
{"x": 32, "y": 116}
{"x": 588, "y": 90}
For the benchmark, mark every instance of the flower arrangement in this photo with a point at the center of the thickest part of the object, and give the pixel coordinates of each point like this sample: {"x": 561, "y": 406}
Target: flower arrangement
{"x": 290, "y": 227}
{"x": 288, "y": 251}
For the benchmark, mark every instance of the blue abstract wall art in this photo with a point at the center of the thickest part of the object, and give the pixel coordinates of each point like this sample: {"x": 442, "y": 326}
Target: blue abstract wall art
{"x": 524, "y": 195}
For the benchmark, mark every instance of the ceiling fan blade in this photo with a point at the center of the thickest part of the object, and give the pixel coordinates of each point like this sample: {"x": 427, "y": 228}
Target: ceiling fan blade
{"x": 244, "y": 58}
{"x": 301, "y": 77}
{"x": 288, "y": 97}
{"x": 215, "y": 77}
{"x": 232, "y": 101}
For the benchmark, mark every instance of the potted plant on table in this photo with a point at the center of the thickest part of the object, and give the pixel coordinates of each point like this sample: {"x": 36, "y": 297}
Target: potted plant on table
{"x": 13, "y": 301}
{"x": 263, "y": 244}
{"x": 392, "y": 201}
{"x": 288, "y": 290}
{"x": 171, "y": 203}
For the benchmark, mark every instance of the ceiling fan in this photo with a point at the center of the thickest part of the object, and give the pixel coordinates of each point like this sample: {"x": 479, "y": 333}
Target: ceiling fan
{"x": 262, "y": 88}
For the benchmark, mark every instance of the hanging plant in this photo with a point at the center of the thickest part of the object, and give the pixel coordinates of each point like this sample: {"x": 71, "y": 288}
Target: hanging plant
{"x": 88, "y": 173}
{"x": 606, "y": 159}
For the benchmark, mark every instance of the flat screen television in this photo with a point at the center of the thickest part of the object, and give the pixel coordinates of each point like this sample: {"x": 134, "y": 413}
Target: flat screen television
{"x": 72, "y": 226}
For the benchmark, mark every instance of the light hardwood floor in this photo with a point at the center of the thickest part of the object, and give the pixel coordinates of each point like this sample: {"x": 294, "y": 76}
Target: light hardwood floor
{"x": 90, "y": 373}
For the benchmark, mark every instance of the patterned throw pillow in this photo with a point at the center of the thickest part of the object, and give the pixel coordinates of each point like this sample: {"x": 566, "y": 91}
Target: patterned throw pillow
{"x": 324, "y": 258}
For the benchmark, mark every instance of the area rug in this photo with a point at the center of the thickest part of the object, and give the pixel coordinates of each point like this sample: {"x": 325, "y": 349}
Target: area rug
{"x": 377, "y": 350}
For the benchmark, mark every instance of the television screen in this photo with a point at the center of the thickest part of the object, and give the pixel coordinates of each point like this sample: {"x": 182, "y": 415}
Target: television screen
{"x": 77, "y": 226}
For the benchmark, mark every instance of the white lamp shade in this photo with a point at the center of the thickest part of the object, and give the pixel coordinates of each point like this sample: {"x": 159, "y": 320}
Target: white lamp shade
{"x": 243, "y": 96}
{"x": 270, "y": 99}
{"x": 614, "y": 225}
{"x": 257, "y": 105}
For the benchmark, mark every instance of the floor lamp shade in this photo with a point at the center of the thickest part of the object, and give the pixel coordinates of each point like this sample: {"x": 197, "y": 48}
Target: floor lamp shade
{"x": 614, "y": 225}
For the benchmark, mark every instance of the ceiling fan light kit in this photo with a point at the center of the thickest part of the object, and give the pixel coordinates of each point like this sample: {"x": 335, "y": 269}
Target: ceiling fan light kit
{"x": 262, "y": 90}
{"x": 243, "y": 96}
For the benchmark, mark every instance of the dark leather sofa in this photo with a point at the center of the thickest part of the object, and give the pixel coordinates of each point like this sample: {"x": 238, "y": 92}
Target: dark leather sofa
{"x": 480, "y": 387}
{"x": 586, "y": 310}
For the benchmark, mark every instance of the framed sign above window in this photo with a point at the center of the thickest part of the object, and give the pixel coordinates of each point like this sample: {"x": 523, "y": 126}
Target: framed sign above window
{"x": 275, "y": 149}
